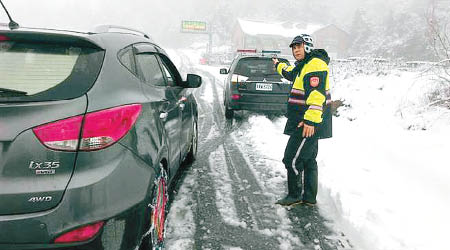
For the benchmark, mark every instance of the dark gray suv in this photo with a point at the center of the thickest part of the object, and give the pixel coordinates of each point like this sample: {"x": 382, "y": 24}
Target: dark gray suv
{"x": 93, "y": 128}
{"x": 254, "y": 84}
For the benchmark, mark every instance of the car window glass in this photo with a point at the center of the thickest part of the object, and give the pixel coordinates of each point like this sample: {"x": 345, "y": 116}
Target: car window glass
{"x": 150, "y": 69}
{"x": 170, "y": 70}
{"x": 40, "y": 71}
{"x": 169, "y": 76}
{"x": 126, "y": 58}
{"x": 257, "y": 67}
{"x": 35, "y": 68}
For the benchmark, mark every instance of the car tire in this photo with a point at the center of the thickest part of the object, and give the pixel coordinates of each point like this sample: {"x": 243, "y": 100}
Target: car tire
{"x": 229, "y": 113}
{"x": 159, "y": 210}
{"x": 192, "y": 154}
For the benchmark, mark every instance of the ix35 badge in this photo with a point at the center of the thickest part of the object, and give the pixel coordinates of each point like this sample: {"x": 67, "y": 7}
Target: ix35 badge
{"x": 44, "y": 168}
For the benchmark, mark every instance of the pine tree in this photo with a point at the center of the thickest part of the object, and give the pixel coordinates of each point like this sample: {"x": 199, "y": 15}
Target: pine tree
{"x": 360, "y": 32}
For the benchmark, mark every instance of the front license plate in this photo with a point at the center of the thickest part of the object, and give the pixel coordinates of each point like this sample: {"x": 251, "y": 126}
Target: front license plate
{"x": 264, "y": 86}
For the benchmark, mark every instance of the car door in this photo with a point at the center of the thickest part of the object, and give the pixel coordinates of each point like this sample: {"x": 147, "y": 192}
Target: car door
{"x": 156, "y": 88}
{"x": 182, "y": 95}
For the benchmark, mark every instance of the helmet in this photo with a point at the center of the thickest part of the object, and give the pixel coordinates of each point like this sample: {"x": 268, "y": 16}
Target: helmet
{"x": 306, "y": 39}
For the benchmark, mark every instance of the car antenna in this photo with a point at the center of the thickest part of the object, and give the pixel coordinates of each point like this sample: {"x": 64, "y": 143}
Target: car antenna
{"x": 12, "y": 25}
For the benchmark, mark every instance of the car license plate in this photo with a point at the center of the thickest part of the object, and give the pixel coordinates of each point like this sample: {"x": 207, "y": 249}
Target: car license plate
{"x": 264, "y": 86}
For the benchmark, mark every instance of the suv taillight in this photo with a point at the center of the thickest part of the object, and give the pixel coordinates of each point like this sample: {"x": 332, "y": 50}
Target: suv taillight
{"x": 103, "y": 128}
{"x": 4, "y": 38}
{"x": 235, "y": 97}
{"x": 60, "y": 135}
{"x": 100, "y": 129}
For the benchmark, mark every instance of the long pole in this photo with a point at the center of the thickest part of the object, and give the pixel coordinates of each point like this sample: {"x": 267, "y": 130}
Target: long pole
{"x": 210, "y": 42}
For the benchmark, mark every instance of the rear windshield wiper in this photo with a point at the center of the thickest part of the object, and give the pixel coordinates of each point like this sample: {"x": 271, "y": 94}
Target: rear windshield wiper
{"x": 13, "y": 92}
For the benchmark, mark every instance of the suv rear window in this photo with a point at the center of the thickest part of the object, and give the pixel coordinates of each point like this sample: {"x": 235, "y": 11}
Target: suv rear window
{"x": 41, "y": 72}
{"x": 258, "y": 67}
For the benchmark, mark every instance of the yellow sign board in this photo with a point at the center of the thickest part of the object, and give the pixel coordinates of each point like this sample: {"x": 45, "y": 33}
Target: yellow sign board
{"x": 193, "y": 26}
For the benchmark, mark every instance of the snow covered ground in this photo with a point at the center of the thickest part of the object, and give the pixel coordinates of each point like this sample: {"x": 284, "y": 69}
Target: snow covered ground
{"x": 384, "y": 176}
{"x": 390, "y": 185}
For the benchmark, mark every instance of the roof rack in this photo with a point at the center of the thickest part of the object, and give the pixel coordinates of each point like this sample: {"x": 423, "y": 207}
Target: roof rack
{"x": 108, "y": 28}
{"x": 255, "y": 51}
{"x": 246, "y": 51}
{"x": 263, "y": 52}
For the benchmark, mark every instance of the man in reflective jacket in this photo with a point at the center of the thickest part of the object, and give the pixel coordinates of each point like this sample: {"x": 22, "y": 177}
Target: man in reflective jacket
{"x": 309, "y": 118}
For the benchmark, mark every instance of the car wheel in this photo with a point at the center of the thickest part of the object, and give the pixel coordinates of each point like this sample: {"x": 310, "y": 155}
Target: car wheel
{"x": 192, "y": 154}
{"x": 229, "y": 113}
{"x": 159, "y": 210}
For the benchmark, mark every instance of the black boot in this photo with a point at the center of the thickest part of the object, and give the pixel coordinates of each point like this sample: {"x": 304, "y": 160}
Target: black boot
{"x": 311, "y": 182}
{"x": 288, "y": 200}
{"x": 294, "y": 191}
{"x": 294, "y": 183}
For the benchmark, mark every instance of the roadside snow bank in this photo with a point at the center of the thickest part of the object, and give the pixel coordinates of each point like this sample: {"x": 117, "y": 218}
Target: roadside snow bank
{"x": 384, "y": 176}
{"x": 384, "y": 181}
{"x": 389, "y": 185}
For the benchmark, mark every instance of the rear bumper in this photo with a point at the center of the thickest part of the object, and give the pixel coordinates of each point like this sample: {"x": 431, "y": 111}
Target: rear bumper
{"x": 273, "y": 103}
{"x": 272, "y": 107}
{"x": 96, "y": 192}
{"x": 260, "y": 102}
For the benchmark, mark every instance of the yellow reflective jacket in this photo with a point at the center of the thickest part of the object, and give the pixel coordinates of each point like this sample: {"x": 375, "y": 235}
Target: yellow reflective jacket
{"x": 309, "y": 100}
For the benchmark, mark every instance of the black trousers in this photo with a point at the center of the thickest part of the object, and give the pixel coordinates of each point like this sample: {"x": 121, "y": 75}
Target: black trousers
{"x": 300, "y": 161}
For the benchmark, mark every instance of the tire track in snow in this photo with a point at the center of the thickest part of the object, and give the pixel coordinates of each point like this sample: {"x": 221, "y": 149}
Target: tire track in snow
{"x": 211, "y": 231}
{"x": 252, "y": 206}
{"x": 259, "y": 224}
{"x": 209, "y": 234}
{"x": 304, "y": 222}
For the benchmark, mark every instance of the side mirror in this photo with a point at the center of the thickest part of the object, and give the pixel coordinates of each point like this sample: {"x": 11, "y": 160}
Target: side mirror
{"x": 193, "y": 81}
{"x": 223, "y": 71}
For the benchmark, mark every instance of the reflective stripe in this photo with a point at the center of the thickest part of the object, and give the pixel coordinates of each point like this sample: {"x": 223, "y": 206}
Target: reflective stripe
{"x": 296, "y": 101}
{"x": 297, "y": 92}
{"x": 296, "y": 156}
{"x": 315, "y": 107}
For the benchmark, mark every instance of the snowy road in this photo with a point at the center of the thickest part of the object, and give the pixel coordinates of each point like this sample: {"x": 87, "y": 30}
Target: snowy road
{"x": 225, "y": 199}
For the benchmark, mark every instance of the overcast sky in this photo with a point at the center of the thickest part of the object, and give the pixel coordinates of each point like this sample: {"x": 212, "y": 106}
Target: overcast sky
{"x": 155, "y": 16}
{"x": 162, "y": 18}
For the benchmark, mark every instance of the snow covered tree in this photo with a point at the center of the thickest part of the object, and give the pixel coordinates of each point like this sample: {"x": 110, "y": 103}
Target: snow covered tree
{"x": 439, "y": 29}
{"x": 360, "y": 31}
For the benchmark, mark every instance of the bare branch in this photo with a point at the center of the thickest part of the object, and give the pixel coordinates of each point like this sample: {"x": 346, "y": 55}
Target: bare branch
{"x": 444, "y": 78}
{"x": 439, "y": 37}
{"x": 438, "y": 101}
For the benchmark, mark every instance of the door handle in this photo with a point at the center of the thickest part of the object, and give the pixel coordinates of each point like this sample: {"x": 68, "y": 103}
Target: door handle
{"x": 163, "y": 115}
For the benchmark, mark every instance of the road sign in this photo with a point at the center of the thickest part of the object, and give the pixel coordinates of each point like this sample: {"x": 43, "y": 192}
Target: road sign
{"x": 194, "y": 27}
